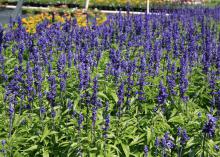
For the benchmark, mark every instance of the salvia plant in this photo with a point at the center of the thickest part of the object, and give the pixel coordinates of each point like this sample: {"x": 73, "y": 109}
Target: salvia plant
{"x": 137, "y": 85}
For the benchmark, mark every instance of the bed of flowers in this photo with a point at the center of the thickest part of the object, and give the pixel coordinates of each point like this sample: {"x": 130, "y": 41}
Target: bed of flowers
{"x": 83, "y": 19}
{"x": 136, "y": 85}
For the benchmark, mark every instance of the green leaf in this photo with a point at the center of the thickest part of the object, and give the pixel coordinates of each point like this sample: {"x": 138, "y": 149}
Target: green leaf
{"x": 114, "y": 96}
{"x": 190, "y": 143}
{"x": 32, "y": 138}
{"x": 149, "y": 135}
{"x": 31, "y": 148}
{"x": 45, "y": 133}
{"x": 177, "y": 119}
{"x": 114, "y": 147}
{"x": 137, "y": 140}
{"x": 101, "y": 94}
{"x": 45, "y": 154}
{"x": 126, "y": 149}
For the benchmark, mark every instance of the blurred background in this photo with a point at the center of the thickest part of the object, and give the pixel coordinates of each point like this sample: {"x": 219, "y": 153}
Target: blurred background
{"x": 136, "y": 5}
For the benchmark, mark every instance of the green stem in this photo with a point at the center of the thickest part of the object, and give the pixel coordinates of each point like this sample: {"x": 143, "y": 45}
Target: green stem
{"x": 203, "y": 145}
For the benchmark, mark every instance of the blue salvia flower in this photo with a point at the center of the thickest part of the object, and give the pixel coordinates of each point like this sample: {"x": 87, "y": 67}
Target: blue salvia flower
{"x": 3, "y": 147}
{"x": 61, "y": 63}
{"x": 53, "y": 113}
{"x": 216, "y": 147}
{"x": 36, "y": 56}
{"x": 13, "y": 89}
{"x": 183, "y": 79}
{"x": 217, "y": 94}
{"x": 179, "y": 129}
{"x": 171, "y": 80}
{"x": 166, "y": 142}
{"x": 84, "y": 76}
{"x": 199, "y": 115}
{"x": 162, "y": 96}
{"x": 212, "y": 84}
{"x": 141, "y": 82}
{"x": 52, "y": 93}
{"x": 1, "y": 55}
{"x": 183, "y": 136}
{"x": 38, "y": 79}
{"x": 63, "y": 78}
{"x": 107, "y": 121}
{"x": 29, "y": 82}
{"x": 157, "y": 57}
{"x": 3, "y": 143}
{"x": 21, "y": 48}
{"x": 42, "y": 110}
{"x": 107, "y": 125}
{"x": 2, "y": 65}
{"x": 62, "y": 74}
{"x": 1, "y": 35}
{"x": 44, "y": 55}
{"x": 70, "y": 58}
{"x": 11, "y": 115}
{"x": 209, "y": 127}
{"x": 120, "y": 95}
{"x": 94, "y": 116}
{"x": 69, "y": 105}
{"x": 50, "y": 68}
{"x": 95, "y": 91}
{"x": 157, "y": 143}
{"x": 130, "y": 68}
{"x": 171, "y": 84}
{"x": 145, "y": 151}
{"x": 141, "y": 87}
{"x": 80, "y": 120}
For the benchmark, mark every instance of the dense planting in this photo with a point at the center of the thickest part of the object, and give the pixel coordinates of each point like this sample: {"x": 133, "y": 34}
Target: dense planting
{"x": 145, "y": 85}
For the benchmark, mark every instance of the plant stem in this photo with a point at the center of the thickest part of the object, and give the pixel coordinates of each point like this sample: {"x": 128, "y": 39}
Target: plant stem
{"x": 203, "y": 145}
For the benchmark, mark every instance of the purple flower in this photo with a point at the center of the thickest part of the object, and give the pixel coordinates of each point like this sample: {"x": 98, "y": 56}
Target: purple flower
{"x": 209, "y": 127}
{"x": 63, "y": 84}
{"x": 69, "y": 105}
{"x": 120, "y": 95}
{"x": 42, "y": 110}
{"x": 171, "y": 83}
{"x": 52, "y": 93}
{"x": 217, "y": 148}
{"x": 166, "y": 142}
{"x": 29, "y": 82}
{"x": 80, "y": 120}
{"x": 70, "y": 58}
{"x": 3, "y": 149}
{"x": 145, "y": 151}
{"x": 84, "y": 75}
{"x": 199, "y": 114}
{"x": 157, "y": 143}
{"x": 183, "y": 136}
{"x": 61, "y": 63}
{"x": 3, "y": 143}
{"x": 53, "y": 113}
{"x": 161, "y": 98}
{"x": 183, "y": 79}
{"x": 94, "y": 116}
{"x": 95, "y": 91}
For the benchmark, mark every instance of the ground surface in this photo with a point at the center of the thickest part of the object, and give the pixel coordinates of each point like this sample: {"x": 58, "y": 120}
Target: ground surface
{"x": 5, "y": 15}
